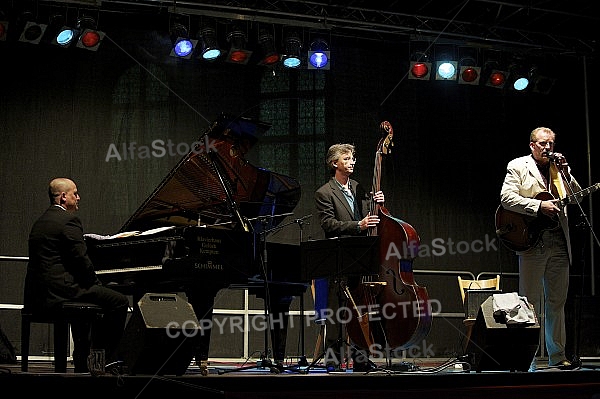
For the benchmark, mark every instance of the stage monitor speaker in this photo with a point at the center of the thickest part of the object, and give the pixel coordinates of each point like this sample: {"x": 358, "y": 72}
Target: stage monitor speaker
{"x": 159, "y": 337}
{"x": 498, "y": 346}
{"x": 474, "y": 299}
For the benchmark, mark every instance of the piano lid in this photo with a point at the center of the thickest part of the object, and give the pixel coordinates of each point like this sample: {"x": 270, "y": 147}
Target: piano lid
{"x": 214, "y": 182}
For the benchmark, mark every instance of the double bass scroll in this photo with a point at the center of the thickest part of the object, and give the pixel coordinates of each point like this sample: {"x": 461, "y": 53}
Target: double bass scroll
{"x": 403, "y": 316}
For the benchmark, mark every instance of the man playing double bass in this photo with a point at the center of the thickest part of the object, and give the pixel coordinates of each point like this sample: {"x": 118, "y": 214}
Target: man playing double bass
{"x": 343, "y": 210}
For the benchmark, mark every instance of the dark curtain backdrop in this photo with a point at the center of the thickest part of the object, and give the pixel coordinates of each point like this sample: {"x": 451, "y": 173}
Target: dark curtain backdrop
{"x": 61, "y": 112}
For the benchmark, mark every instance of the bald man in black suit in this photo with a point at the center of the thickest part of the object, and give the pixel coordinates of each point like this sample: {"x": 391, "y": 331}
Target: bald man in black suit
{"x": 60, "y": 270}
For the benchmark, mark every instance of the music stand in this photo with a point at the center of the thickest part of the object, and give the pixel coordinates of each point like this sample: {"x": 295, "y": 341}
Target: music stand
{"x": 338, "y": 258}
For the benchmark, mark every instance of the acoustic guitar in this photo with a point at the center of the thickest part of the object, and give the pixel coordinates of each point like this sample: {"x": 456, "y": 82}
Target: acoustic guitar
{"x": 520, "y": 232}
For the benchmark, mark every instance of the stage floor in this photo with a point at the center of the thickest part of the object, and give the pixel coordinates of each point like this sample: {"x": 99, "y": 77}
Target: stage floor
{"x": 423, "y": 379}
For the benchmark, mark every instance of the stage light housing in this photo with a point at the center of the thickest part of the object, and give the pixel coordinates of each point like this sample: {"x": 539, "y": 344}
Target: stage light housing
{"x": 420, "y": 60}
{"x": 293, "y": 51}
{"x": 543, "y": 84}
{"x": 494, "y": 73}
{"x": 209, "y": 46}
{"x": 446, "y": 70}
{"x": 266, "y": 41}
{"x": 469, "y": 75}
{"x": 91, "y": 37}
{"x": 319, "y": 56}
{"x": 65, "y": 36}
{"x": 420, "y": 70}
{"x": 183, "y": 46}
{"x": 32, "y": 32}
{"x": 446, "y": 66}
{"x": 469, "y": 72}
{"x": 519, "y": 75}
{"x": 238, "y": 53}
{"x": 497, "y": 79}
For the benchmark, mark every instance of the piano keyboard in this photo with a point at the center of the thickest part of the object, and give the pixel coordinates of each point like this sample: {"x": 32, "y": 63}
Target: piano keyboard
{"x": 130, "y": 269}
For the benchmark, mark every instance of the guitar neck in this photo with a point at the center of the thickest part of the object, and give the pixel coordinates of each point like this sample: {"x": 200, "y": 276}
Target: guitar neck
{"x": 571, "y": 199}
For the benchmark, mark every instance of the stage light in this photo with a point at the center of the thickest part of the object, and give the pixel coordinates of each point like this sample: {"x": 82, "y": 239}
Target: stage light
{"x": 446, "y": 64}
{"x": 238, "y": 54}
{"x": 519, "y": 76}
{"x": 493, "y": 74}
{"x": 497, "y": 79}
{"x": 3, "y": 30}
{"x": 209, "y": 46}
{"x": 543, "y": 84}
{"x": 420, "y": 70}
{"x": 446, "y": 70}
{"x": 420, "y": 60}
{"x": 293, "y": 47}
{"x": 469, "y": 70}
{"x": 32, "y": 32}
{"x": 266, "y": 41}
{"x": 319, "y": 56}
{"x": 62, "y": 34}
{"x": 65, "y": 36}
{"x": 183, "y": 46}
{"x": 469, "y": 75}
{"x": 90, "y": 38}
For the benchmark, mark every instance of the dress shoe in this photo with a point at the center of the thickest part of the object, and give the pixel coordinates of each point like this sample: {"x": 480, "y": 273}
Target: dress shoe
{"x": 563, "y": 365}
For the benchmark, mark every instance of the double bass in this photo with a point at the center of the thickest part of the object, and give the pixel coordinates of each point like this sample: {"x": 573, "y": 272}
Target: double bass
{"x": 390, "y": 311}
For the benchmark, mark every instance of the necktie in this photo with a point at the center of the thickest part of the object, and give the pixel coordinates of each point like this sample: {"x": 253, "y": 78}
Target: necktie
{"x": 556, "y": 181}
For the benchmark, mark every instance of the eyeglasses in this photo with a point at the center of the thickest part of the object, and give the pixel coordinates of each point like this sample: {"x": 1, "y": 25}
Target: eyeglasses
{"x": 545, "y": 143}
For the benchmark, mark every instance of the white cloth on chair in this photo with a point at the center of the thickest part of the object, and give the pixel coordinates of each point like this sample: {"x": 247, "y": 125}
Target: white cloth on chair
{"x": 513, "y": 309}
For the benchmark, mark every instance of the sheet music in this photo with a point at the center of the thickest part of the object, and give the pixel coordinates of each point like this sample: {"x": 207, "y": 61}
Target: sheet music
{"x": 110, "y": 237}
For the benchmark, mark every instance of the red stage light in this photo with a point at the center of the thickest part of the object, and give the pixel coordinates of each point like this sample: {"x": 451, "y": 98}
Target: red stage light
{"x": 497, "y": 79}
{"x": 90, "y": 38}
{"x": 469, "y": 74}
{"x": 419, "y": 70}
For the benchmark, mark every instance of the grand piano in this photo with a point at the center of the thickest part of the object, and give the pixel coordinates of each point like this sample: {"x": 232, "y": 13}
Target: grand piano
{"x": 205, "y": 227}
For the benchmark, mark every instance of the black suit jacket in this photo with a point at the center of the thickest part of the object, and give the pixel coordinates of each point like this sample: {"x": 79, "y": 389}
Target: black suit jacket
{"x": 335, "y": 215}
{"x": 59, "y": 268}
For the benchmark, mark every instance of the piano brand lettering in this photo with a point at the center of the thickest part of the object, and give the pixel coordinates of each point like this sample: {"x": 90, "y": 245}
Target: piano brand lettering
{"x": 157, "y": 149}
{"x": 209, "y": 265}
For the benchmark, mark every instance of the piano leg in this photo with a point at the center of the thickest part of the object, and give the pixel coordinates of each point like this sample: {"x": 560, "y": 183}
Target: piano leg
{"x": 202, "y": 300}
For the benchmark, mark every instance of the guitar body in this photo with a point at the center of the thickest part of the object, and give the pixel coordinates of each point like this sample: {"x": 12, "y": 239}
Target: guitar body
{"x": 520, "y": 232}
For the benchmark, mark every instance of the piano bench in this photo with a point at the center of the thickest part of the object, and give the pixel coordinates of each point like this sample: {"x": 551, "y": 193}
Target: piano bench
{"x": 69, "y": 313}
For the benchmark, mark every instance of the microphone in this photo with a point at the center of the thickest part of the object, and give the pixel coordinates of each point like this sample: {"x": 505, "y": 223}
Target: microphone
{"x": 552, "y": 156}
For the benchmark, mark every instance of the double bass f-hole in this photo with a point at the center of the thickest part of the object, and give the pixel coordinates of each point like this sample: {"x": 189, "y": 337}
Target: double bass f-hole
{"x": 396, "y": 285}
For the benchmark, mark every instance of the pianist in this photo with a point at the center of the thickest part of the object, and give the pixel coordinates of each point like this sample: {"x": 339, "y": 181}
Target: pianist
{"x": 60, "y": 270}
{"x": 343, "y": 210}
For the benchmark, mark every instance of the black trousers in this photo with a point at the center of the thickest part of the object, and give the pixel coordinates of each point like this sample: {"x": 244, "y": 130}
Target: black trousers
{"x": 103, "y": 333}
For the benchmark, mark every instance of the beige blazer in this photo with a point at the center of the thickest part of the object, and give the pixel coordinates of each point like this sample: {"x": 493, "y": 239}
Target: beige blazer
{"x": 523, "y": 181}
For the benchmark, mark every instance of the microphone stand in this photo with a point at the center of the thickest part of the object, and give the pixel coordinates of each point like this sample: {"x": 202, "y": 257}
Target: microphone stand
{"x": 302, "y": 361}
{"x": 576, "y": 363}
{"x": 265, "y": 362}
